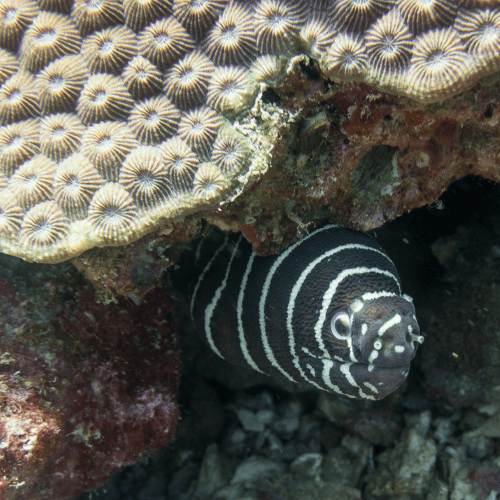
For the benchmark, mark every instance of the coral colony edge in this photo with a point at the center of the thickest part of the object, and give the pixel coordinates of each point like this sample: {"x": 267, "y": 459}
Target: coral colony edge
{"x": 118, "y": 117}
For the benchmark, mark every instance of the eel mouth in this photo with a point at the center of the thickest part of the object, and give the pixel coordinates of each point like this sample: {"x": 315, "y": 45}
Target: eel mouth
{"x": 378, "y": 380}
{"x": 360, "y": 380}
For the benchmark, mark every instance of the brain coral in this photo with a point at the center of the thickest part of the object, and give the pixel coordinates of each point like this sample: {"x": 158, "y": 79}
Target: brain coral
{"x": 117, "y": 115}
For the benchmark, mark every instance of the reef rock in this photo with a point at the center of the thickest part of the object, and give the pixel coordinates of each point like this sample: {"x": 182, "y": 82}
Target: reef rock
{"x": 84, "y": 388}
{"x": 460, "y": 360}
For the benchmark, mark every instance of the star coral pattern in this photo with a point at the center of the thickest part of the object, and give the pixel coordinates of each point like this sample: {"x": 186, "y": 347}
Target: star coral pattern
{"x": 104, "y": 82}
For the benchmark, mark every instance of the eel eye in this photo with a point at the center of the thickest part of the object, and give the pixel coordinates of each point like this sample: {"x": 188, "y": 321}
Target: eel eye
{"x": 341, "y": 326}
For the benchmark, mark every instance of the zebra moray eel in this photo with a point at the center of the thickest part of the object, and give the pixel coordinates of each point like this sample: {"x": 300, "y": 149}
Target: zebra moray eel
{"x": 327, "y": 312}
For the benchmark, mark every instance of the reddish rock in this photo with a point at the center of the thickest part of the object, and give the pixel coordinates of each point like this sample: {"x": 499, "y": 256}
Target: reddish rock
{"x": 485, "y": 479}
{"x": 85, "y": 387}
{"x": 134, "y": 270}
{"x": 375, "y": 157}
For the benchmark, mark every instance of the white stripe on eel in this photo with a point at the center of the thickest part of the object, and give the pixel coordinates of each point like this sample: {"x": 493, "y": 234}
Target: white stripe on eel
{"x": 344, "y": 368}
{"x": 393, "y": 321}
{"x": 265, "y": 291}
{"x": 239, "y": 313}
{"x": 209, "y": 311}
{"x": 205, "y": 270}
{"x": 302, "y": 278}
{"x": 295, "y": 292}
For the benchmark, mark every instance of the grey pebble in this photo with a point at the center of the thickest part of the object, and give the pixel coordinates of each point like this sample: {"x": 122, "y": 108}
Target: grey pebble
{"x": 255, "y": 421}
{"x": 408, "y": 467}
{"x": 307, "y": 466}
{"x": 215, "y": 472}
{"x": 254, "y": 469}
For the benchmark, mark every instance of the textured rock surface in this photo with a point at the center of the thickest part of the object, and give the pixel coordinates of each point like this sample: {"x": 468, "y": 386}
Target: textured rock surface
{"x": 84, "y": 387}
{"x": 118, "y": 117}
{"x": 461, "y": 360}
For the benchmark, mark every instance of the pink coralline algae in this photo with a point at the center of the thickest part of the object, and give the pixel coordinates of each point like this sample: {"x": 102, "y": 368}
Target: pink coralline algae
{"x": 84, "y": 388}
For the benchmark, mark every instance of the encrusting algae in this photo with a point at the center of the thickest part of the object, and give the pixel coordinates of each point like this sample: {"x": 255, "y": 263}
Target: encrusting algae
{"x": 117, "y": 115}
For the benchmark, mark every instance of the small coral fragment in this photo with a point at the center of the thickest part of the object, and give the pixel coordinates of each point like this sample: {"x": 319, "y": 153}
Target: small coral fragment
{"x": 421, "y": 15}
{"x": 18, "y": 142}
{"x": 196, "y": 16}
{"x": 18, "y": 98}
{"x": 15, "y": 17}
{"x": 181, "y": 164}
{"x": 106, "y": 145}
{"x": 104, "y": 97}
{"x": 61, "y": 6}
{"x": 231, "y": 152}
{"x": 268, "y": 69}
{"x": 139, "y": 13}
{"x": 11, "y": 216}
{"x": 165, "y": 42}
{"x": 232, "y": 38}
{"x": 439, "y": 63}
{"x": 32, "y": 181}
{"x": 93, "y": 15}
{"x": 355, "y": 15}
{"x": 108, "y": 51}
{"x": 60, "y": 135}
{"x": 59, "y": 84}
{"x": 277, "y": 23}
{"x": 8, "y": 65}
{"x": 346, "y": 59}
{"x": 229, "y": 89}
{"x": 186, "y": 82}
{"x": 208, "y": 182}
{"x": 316, "y": 36}
{"x": 479, "y": 30}
{"x": 142, "y": 78}
{"x": 50, "y": 36}
{"x": 389, "y": 44}
{"x": 199, "y": 129}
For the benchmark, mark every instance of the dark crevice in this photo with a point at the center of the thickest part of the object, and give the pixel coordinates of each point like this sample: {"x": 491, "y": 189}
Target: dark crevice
{"x": 310, "y": 70}
{"x": 269, "y": 96}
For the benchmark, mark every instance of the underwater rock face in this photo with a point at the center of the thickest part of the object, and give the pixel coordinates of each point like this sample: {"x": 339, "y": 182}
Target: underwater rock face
{"x": 85, "y": 387}
{"x": 461, "y": 363}
{"x": 116, "y": 118}
{"x": 372, "y": 158}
